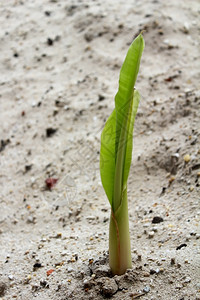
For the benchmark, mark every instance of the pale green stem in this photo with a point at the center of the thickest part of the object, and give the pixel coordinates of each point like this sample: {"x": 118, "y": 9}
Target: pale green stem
{"x": 119, "y": 239}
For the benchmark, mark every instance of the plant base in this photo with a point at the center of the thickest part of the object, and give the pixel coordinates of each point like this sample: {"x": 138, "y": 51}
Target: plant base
{"x": 119, "y": 239}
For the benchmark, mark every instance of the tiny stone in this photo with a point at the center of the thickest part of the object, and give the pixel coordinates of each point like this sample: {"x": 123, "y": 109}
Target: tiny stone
{"x": 191, "y": 188}
{"x": 90, "y": 218}
{"x": 186, "y": 261}
{"x": 193, "y": 233}
{"x": 155, "y": 229}
{"x": 163, "y": 259}
{"x": 36, "y": 266}
{"x": 146, "y": 289}
{"x": 70, "y": 269}
{"x": 157, "y": 220}
{"x": 178, "y": 286}
{"x": 172, "y": 261}
{"x": 49, "y": 42}
{"x": 161, "y": 270}
{"x": 82, "y": 274}
{"x": 102, "y": 271}
{"x": 187, "y": 158}
{"x": 43, "y": 283}
{"x": 43, "y": 240}
{"x": 30, "y": 219}
{"x": 151, "y": 234}
{"x": 50, "y": 131}
{"x": 88, "y": 283}
{"x": 157, "y": 270}
{"x": 187, "y": 280}
{"x": 109, "y": 287}
{"x": 175, "y": 155}
{"x": 85, "y": 282}
{"x": 139, "y": 258}
{"x": 66, "y": 107}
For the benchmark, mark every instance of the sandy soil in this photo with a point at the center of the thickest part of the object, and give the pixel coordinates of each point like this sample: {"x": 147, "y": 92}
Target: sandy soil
{"x": 59, "y": 64}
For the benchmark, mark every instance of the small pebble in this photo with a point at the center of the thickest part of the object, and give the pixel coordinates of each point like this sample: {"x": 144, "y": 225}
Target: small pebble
{"x": 176, "y": 155}
{"x": 151, "y": 234}
{"x": 173, "y": 261}
{"x": 187, "y": 280}
{"x": 102, "y": 271}
{"x": 187, "y": 158}
{"x": 86, "y": 283}
{"x": 186, "y": 261}
{"x": 66, "y": 107}
{"x": 139, "y": 258}
{"x": 161, "y": 270}
{"x": 157, "y": 220}
{"x": 43, "y": 283}
{"x": 163, "y": 259}
{"x": 109, "y": 287}
{"x": 146, "y": 289}
{"x": 70, "y": 269}
{"x": 30, "y": 219}
{"x": 10, "y": 277}
{"x": 91, "y": 260}
{"x": 90, "y": 218}
{"x": 157, "y": 271}
{"x": 179, "y": 286}
{"x": 191, "y": 188}
{"x": 155, "y": 229}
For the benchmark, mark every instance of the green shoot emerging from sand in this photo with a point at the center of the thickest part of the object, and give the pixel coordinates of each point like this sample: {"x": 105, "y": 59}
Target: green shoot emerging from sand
{"x": 116, "y": 155}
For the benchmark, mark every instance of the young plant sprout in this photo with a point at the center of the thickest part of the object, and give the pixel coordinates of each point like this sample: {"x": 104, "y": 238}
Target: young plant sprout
{"x": 116, "y": 155}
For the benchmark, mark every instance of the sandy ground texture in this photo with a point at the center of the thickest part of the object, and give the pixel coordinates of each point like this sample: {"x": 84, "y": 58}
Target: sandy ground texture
{"x": 59, "y": 68}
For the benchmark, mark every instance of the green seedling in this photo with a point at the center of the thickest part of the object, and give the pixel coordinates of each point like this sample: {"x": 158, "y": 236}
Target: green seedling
{"x": 116, "y": 155}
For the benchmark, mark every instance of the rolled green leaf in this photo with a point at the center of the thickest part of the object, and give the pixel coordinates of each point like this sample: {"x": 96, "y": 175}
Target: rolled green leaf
{"x": 116, "y": 155}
